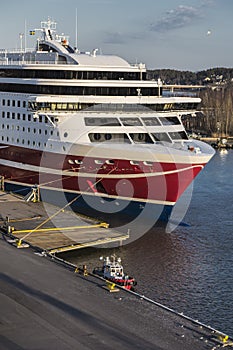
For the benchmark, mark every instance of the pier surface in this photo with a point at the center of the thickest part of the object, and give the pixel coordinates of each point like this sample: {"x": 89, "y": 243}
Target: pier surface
{"x": 51, "y": 228}
{"x": 46, "y": 305}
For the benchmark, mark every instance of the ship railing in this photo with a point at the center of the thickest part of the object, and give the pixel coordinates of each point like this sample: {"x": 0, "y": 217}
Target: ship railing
{"x": 11, "y": 51}
{"x": 9, "y": 62}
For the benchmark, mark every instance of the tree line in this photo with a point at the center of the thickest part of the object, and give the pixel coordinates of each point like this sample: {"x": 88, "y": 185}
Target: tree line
{"x": 215, "y": 116}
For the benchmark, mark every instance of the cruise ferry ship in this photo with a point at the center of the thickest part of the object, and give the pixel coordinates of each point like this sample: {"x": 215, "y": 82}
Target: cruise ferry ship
{"x": 92, "y": 131}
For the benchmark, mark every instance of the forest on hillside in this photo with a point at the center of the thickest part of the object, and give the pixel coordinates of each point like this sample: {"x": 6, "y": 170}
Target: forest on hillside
{"x": 216, "y": 117}
{"x": 209, "y": 76}
{"x": 216, "y": 109}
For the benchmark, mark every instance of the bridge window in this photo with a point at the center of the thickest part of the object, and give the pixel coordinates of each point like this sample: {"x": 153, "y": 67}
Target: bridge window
{"x": 178, "y": 135}
{"x": 141, "y": 138}
{"x": 161, "y": 137}
{"x": 113, "y": 138}
{"x": 151, "y": 121}
{"x": 130, "y": 121}
{"x": 169, "y": 121}
{"x": 102, "y": 122}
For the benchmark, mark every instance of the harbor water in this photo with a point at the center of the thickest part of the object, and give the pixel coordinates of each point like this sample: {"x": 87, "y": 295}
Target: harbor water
{"x": 191, "y": 268}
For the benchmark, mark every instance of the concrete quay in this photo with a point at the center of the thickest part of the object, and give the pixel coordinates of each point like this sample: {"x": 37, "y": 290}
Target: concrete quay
{"x": 45, "y": 305}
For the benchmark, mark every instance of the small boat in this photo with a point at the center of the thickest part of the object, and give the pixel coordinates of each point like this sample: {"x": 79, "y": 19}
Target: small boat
{"x": 112, "y": 270}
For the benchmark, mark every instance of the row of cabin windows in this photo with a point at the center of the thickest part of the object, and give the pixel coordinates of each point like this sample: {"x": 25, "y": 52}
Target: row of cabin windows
{"x": 107, "y": 107}
{"x": 25, "y": 142}
{"x": 108, "y": 161}
{"x": 157, "y": 137}
{"x": 68, "y": 74}
{"x": 28, "y": 130}
{"x": 79, "y": 90}
{"x": 127, "y": 121}
{"x": 14, "y": 103}
{"x": 28, "y": 117}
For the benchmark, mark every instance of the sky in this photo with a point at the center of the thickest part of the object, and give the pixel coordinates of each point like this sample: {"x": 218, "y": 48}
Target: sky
{"x": 189, "y": 35}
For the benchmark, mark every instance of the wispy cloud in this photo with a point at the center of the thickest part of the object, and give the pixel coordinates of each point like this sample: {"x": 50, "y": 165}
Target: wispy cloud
{"x": 180, "y": 17}
{"x": 121, "y": 38}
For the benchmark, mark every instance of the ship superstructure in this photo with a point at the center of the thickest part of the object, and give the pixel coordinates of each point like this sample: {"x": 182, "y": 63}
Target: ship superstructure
{"x": 92, "y": 127}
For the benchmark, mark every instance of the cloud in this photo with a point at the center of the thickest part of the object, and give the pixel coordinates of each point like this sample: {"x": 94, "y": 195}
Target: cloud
{"x": 114, "y": 38}
{"x": 121, "y": 38}
{"x": 177, "y": 18}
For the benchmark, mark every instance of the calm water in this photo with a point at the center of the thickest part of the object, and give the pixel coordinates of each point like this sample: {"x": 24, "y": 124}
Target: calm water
{"x": 191, "y": 268}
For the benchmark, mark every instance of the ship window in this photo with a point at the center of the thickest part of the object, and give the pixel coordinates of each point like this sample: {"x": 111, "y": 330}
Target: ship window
{"x": 96, "y": 136}
{"x": 3, "y": 102}
{"x": 28, "y": 142}
{"x": 8, "y": 115}
{"x": 24, "y": 116}
{"x": 13, "y": 103}
{"x": 141, "y": 138}
{"x": 130, "y": 121}
{"x": 169, "y": 121}
{"x": 98, "y": 161}
{"x": 29, "y": 117}
{"x": 70, "y": 161}
{"x": 101, "y": 122}
{"x": 3, "y": 114}
{"x": 18, "y": 104}
{"x": 150, "y": 121}
{"x": 117, "y": 138}
{"x": 34, "y": 130}
{"x": 110, "y": 162}
{"x": 8, "y": 102}
{"x": 178, "y": 135}
{"x": 78, "y": 161}
{"x": 108, "y": 137}
{"x": 148, "y": 163}
{"x": 24, "y": 104}
{"x": 161, "y": 137}
{"x": 133, "y": 162}
{"x": 65, "y": 134}
{"x": 13, "y": 115}
{"x": 18, "y": 116}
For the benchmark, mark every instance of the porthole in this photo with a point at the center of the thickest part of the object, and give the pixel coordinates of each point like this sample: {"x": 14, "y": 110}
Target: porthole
{"x": 65, "y": 134}
{"x": 97, "y": 136}
{"x": 148, "y": 163}
{"x": 108, "y": 137}
{"x": 98, "y": 161}
{"x": 78, "y": 161}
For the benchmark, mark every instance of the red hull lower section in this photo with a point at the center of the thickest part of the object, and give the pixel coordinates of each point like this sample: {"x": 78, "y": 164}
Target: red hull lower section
{"x": 162, "y": 182}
